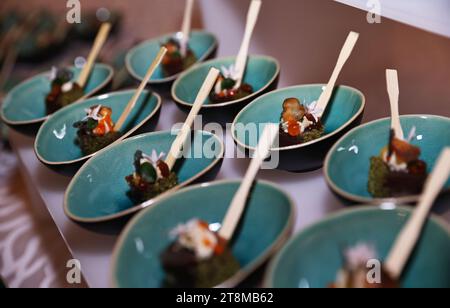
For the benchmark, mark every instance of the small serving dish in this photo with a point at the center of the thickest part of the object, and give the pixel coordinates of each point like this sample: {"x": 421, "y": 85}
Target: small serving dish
{"x": 345, "y": 111}
{"x": 347, "y": 163}
{"x": 55, "y": 142}
{"x": 313, "y": 258}
{"x": 203, "y": 44}
{"x": 266, "y": 225}
{"x": 24, "y": 106}
{"x": 98, "y": 192}
{"x": 262, "y": 74}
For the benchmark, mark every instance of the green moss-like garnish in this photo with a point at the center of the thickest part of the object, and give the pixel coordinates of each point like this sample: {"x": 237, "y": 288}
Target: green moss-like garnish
{"x": 203, "y": 274}
{"x": 313, "y": 134}
{"x": 90, "y": 143}
{"x": 144, "y": 191}
{"x": 378, "y": 175}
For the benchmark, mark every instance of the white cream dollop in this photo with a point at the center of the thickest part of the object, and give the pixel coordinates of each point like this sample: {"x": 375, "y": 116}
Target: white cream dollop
{"x": 197, "y": 237}
{"x": 68, "y": 86}
{"x": 394, "y": 164}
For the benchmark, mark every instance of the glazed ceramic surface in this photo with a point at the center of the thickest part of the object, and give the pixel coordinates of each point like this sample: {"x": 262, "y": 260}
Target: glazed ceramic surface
{"x": 313, "y": 257}
{"x": 348, "y": 163}
{"x": 344, "y": 111}
{"x": 55, "y": 141}
{"x": 138, "y": 59}
{"x": 266, "y": 224}
{"x": 25, "y": 104}
{"x": 98, "y": 192}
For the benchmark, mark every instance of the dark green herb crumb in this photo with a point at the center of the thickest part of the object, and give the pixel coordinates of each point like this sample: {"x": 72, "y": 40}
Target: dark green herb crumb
{"x": 141, "y": 191}
{"x": 183, "y": 270}
{"x": 288, "y": 140}
{"x": 378, "y": 177}
{"x": 90, "y": 143}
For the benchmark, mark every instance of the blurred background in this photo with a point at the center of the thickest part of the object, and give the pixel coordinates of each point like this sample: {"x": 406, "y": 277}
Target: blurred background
{"x": 304, "y": 35}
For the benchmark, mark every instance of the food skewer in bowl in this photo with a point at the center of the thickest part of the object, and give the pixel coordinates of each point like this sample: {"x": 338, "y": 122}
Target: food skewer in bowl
{"x": 186, "y": 27}
{"x": 398, "y": 170}
{"x": 63, "y": 90}
{"x": 230, "y": 84}
{"x": 354, "y": 274}
{"x": 301, "y": 123}
{"x": 97, "y": 130}
{"x": 153, "y": 175}
{"x": 394, "y": 92}
{"x": 151, "y": 70}
{"x": 202, "y": 257}
{"x": 411, "y": 232}
{"x": 179, "y": 56}
{"x": 346, "y": 51}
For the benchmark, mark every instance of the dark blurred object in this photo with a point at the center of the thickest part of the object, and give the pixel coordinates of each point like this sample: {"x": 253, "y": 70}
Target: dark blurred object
{"x": 8, "y": 21}
{"x": 91, "y": 22}
{"x": 2, "y": 284}
{"x": 35, "y": 35}
{"x": 45, "y": 39}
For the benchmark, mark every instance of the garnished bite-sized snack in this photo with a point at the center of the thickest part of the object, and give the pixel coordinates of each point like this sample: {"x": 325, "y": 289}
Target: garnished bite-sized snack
{"x": 299, "y": 123}
{"x": 151, "y": 177}
{"x": 397, "y": 171}
{"x": 177, "y": 60}
{"x": 225, "y": 89}
{"x": 96, "y": 130}
{"x": 355, "y": 272}
{"x": 198, "y": 258}
{"x": 63, "y": 90}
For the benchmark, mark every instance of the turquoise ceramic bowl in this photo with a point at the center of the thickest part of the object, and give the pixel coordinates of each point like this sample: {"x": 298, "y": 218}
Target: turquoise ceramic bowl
{"x": 266, "y": 225}
{"x": 312, "y": 258}
{"x": 262, "y": 73}
{"x": 348, "y": 162}
{"x": 97, "y": 193}
{"x": 203, "y": 44}
{"x": 345, "y": 111}
{"x": 25, "y": 104}
{"x": 54, "y": 144}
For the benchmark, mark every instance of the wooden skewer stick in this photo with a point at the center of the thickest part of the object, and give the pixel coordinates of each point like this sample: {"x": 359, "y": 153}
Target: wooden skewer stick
{"x": 393, "y": 91}
{"x": 343, "y": 57}
{"x": 100, "y": 40}
{"x": 239, "y": 201}
{"x": 186, "y": 28}
{"x": 410, "y": 234}
{"x": 126, "y": 112}
{"x": 241, "y": 60}
{"x": 177, "y": 145}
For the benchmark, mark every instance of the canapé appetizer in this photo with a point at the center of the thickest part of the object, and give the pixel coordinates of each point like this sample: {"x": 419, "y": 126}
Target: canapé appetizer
{"x": 225, "y": 90}
{"x": 230, "y": 84}
{"x": 198, "y": 257}
{"x": 179, "y": 56}
{"x": 63, "y": 91}
{"x": 175, "y": 60}
{"x": 397, "y": 171}
{"x": 299, "y": 123}
{"x": 96, "y": 130}
{"x": 354, "y": 273}
{"x": 151, "y": 178}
